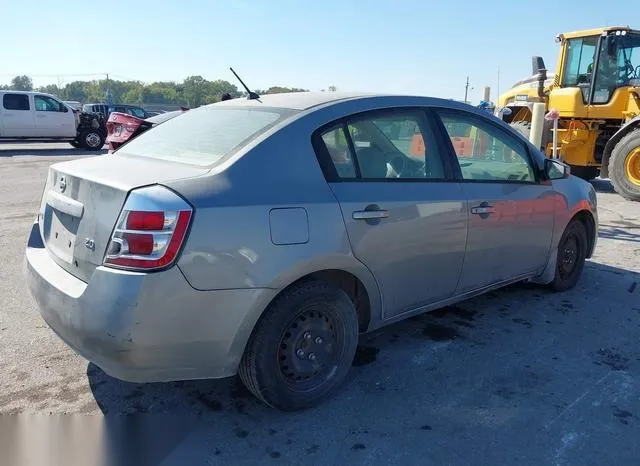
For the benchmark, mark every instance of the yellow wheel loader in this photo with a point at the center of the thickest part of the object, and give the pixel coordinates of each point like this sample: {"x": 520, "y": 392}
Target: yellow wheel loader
{"x": 596, "y": 90}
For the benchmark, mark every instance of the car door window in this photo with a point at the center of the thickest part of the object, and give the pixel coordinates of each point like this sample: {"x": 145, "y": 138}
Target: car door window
{"x": 15, "y": 102}
{"x": 335, "y": 142}
{"x": 394, "y": 146}
{"x": 486, "y": 152}
{"x": 46, "y": 104}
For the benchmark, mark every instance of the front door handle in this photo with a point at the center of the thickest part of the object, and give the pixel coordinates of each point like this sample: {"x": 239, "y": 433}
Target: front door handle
{"x": 370, "y": 214}
{"x": 483, "y": 210}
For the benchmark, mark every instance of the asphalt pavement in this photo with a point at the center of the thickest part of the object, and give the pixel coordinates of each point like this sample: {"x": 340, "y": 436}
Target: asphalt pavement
{"x": 519, "y": 376}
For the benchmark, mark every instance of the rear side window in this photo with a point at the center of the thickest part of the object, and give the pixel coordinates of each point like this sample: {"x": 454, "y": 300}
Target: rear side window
{"x": 204, "y": 136}
{"x": 390, "y": 146}
{"x": 15, "y": 102}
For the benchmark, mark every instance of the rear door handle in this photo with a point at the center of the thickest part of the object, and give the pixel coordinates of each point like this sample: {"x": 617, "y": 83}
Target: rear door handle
{"x": 370, "y": 214}
{"x": 481, "y": 210}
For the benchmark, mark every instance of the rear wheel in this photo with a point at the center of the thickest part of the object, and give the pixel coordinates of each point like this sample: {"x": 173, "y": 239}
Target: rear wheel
{"x": 91, "y": 139}
{"x": 624, "y": 166}
{"x": 302, "y": 347}
{"x": 572, "y": 252}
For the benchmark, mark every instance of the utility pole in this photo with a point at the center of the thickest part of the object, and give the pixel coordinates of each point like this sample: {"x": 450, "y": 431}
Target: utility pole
{"x": 108, "y": 91}
{"x": 466, "y": 90}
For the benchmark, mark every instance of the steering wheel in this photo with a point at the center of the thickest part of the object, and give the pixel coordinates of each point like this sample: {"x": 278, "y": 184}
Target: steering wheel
{"x": 406, "y": 167}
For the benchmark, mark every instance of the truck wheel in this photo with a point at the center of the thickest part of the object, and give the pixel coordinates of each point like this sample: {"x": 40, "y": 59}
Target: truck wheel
{"x": 91, "y": 139}
{"x": 624, "y": 166}
{"x": 524, "y": 128}
{"x": 572, "y": 252}
{"x": 302, "y": 347}
{"x": 586, "y": 173}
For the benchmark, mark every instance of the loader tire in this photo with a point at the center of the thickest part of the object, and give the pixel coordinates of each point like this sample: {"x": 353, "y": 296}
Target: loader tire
{"x": 624, "y": 166}
{"x": 524, "y": 128}
{"x": 586, "y": 173}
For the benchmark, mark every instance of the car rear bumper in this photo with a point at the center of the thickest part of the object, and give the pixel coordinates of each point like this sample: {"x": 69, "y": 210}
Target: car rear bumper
{"x": 144, "y": 327}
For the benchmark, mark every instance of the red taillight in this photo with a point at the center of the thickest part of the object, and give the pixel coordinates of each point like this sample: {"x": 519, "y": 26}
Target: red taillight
{"x": 145, "y": 220}
{"x": 149, "y": 239}
{"x": 140, "y": 244}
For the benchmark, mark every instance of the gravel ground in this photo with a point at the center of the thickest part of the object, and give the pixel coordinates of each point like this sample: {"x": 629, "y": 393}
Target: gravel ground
{"x": 519, "y": 376}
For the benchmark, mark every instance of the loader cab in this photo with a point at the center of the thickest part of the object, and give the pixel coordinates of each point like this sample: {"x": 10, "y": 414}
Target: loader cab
{"x": 597, "y": 70}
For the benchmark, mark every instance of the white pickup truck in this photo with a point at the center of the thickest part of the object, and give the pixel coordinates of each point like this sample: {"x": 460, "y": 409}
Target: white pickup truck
{"x": 35, "y": 116}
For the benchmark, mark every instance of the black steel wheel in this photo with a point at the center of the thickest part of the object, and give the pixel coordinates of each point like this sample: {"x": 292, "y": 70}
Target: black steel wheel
{"x": 302, "y": 347}
{"x": 572, "y": 252}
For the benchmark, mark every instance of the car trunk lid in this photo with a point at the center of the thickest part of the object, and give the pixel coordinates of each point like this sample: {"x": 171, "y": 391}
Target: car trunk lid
{"x": 82, "y": 200}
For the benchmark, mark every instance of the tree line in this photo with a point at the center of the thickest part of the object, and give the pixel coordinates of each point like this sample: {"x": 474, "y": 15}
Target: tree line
{"x": 192, "y": 92}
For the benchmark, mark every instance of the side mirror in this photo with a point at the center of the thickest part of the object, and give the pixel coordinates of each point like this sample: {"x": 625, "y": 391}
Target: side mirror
{"x": 555, "y": 170}
{"x": 65, "y": 109}
{"x": 537, "y": 65}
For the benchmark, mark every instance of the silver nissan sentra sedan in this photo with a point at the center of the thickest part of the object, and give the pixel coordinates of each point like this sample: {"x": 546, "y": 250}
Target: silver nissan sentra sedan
{"x": 262, "y": 236}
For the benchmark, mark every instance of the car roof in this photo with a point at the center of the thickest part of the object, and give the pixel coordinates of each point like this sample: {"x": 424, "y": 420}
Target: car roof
{"x": 307, "y": 100}
{"x": 13, "y": 91}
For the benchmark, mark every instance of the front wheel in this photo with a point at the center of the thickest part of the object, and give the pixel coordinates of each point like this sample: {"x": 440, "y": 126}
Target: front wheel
{"x": 624, "y": 166}
{"x": 302, "y": 347}
{"x": 572, "y": 252}
{"x": 91, "y": 139}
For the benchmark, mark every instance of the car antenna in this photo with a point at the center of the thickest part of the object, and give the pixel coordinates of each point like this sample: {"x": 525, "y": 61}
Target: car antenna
{"x": 251, "y": 95}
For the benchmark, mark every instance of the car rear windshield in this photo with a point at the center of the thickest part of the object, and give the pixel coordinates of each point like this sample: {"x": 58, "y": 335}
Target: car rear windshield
{"x": 204, "y": 136}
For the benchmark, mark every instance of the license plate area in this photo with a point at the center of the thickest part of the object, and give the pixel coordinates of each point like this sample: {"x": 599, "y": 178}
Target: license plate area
{"x": 60, "y": 231}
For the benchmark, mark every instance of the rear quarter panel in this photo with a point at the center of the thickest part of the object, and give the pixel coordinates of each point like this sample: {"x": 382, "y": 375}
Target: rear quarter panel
{"x": 230, "y": 244}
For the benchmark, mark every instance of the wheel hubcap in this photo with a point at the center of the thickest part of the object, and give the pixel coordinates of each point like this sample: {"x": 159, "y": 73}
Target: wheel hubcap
{"x": 632, "y": 166}
{"x": 569, "y": 255}
{"x": 93, "y": 140}
{"x": 307, "y": 348}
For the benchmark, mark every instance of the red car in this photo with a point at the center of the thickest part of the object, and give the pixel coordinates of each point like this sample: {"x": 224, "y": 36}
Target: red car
{"x": 122, "y": 127}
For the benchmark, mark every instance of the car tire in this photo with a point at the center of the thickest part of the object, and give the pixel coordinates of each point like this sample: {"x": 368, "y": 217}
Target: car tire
{"x": 623, "y": 173}
{"x": 572, "y": 253}
{"x": 302, "y": 347}
{"x": 91, "y": 139}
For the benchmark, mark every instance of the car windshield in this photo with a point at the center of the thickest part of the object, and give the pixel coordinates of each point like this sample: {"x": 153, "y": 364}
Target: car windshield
{"x": 204, "y": 136}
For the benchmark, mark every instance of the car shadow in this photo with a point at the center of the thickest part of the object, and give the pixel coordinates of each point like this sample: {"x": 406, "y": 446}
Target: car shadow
{"x": 602, "y": 185}
{"x": 620, "y": 234}
{"x": 53, "y": 152}
{"x": 114, "y": 396}
{"x": 408, "y": 378}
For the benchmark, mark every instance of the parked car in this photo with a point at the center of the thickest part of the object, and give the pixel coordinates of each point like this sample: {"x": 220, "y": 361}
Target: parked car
{"x": 74, "y": 104}
{"x": 106, "y": 109}
{"x": 263, "y": 236}
{"x": 122, "y": 127}
{"x": 36, "y": 116}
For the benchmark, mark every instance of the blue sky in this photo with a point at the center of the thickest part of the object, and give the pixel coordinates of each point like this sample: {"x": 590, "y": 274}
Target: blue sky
{"x": 409, "y": 46}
